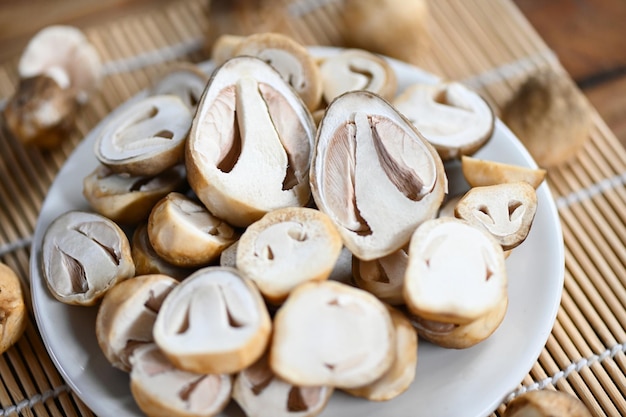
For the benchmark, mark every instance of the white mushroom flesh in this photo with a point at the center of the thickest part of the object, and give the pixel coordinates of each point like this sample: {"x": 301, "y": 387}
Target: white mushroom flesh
{"x": 187, "y": 82}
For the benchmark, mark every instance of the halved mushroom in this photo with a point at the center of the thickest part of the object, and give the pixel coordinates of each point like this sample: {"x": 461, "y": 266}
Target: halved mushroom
{"x": 480, "y": 172}
{"x": 215, "y": 321}
{"x": 260, "y": 393}
{"x": 383, "y": 277}
{"x": 184, "y": 80}
{"x": 250, "y": 144}
{"x": 128, "y": 199}
{"x": 402, "y": 371}
{"x": 357, "y": 69}
{"x": 364, "y": 144}
{"x": 146, "y": 138}
{"x": 272, "y": 251}
{"x": 184, "y": 233}
{"x": 546, "y": 403}
{"x": 504, "y": 210}
{"x": 456, "y": 120}
{"x": 291, "y": 59}
{"x": 162, "y": 390}
{"x": 126, "y": 316}
{"x": 456, "y": 272}
{"x": 329, "y": 333}
{"x": 83, "y": 255}
{"x": 13, "y": 312}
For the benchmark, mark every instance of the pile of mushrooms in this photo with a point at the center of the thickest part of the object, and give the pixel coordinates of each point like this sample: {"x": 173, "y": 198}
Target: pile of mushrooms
{"x": 238, "y": 207}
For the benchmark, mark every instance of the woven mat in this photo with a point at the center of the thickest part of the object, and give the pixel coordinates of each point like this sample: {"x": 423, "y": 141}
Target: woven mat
{"x": 487, "y": 44}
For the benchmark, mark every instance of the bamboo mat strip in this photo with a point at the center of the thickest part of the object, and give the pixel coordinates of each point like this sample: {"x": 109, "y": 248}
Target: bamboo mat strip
{"x": 488, "y": 45}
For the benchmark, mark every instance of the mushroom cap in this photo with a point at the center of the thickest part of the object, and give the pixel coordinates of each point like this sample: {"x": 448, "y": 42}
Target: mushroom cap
{"x": 455, "y": 120}
{"x": 215, "y": 321}
{"x": 13, "y": 312}
{"x": 83, "y": 255}
{"x": 546, "y": 403}
{"x": 383, "y": 277}
{"x": 480, "y": 172}
{"x": 184, "y": 233}
{"x": 162, "y": 390}
{"x": 249, "y": 147}
{"x": 329, "y": 333}
{"x": 184, "y": 80}
{"x": 63, "y": 49}
{"x": 456, "y": 272}
{"x": 126, "y": 316}
{"x": 273, "y": 250}
{"x": 128, "y": 199}
{"x": 505, "y": 210}
{"x": 362, "y": 144}
{"x": 146, "y": 138}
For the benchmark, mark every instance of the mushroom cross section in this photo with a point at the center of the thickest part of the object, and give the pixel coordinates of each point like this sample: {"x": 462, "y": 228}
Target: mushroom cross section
{"x": 364, "y": 144}
{"x": 186, "y": 81}
{"x": 215, "y": 321}
{"x": 383, "y": 277}
{"x": 250, "y": 143}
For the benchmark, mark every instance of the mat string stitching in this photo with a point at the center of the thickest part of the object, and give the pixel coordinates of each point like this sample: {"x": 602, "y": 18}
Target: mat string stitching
{"x": 599, "y": 187}
{"x": 35, "y": 399}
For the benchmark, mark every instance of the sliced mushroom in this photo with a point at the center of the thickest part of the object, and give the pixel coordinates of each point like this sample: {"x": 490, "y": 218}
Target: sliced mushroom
{"x": 291, "y": 59}
{"x": 504, "y": 210}
{"x": 224, "y": 47}
{"x": 260, "y": 393}
{"x": 364, "y": 144}
{"x": 480, "y": 172}
{"x": 147, "y": 261}
{"x": 215, "y": 321}
{"x": 249, "y": 148}
{"x": 449, "y": 205}
{"x": 456, "y": 272}
{"x": 126, "y": 316}
{"x": 162, "y": 390}
{"x": 383, "y": 277}
{"x": 546, "y": 403}
{"x": 184, "y": 233}
{"x": 272, "y": 250}
{"x": 13, "y": 312}
{"x": 455, "y": 119}
{"x": 184, "y": 80}
{"x": 128, "y": 199}
{"x": 83, "y": 255}
{"x": 331, "y": 334}
{"x": 146, "y": 138}
{"x": 228, "y": 257}
{"x": 402, "y": 371}
{"x": 357, "y": 69}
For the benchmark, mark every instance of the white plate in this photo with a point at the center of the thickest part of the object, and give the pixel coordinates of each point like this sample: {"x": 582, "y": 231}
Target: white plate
{"x": 449, "y": 383}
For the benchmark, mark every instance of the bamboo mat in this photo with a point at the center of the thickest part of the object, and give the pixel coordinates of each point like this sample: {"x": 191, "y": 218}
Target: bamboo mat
{"x": 487, "y": 44}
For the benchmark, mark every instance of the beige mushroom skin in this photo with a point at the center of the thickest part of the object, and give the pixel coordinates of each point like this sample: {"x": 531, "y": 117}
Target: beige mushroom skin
{"x": 13, "y": 313}
{"x": 383, "y": 277}
{"x": 185, "y": 234}
{"x": 162, "y": 390}
{"x": 480, "y": 172}
{"x": 249, "y": 147}
{"x": 505, "y": 210}
{"x": 126, "y": 316}
{"x": 546, "y": 403}
{"x": 215, "y": 321}
{"x": 83, "y": 255}
{"x": 287, "y": 247}
{"x": 363, "y": 143}
{"x": 331, "y": 334}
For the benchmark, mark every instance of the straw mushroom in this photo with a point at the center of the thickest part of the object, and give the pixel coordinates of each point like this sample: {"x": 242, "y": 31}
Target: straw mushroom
{"x": 13, "y": 313}
{"x": 184, "y": 80}
{"x": 260, "y": 393}
{"x": 250, "y": 144}
{"x": 184, "y": 233}
{"x": 481, "y": 172}
{"x": 126, "y": 316}
{"x": 83, "y": 255}
{"x": 364, "y": 144}
{"x": 162, "y": 390}
{"x": 145, "y": 138}
{"x": 545, "y": 403}
{"x": 456, "y": 120}
{"x": 505, "y": 210}
{"x": 383, "y": 277}
{"x": 357, "y": 69}
{"x": 215, "y": 321}
{"x": 272, "y": 250}
{"x": 58, "y": 71}
{"x": 331, "y": 334}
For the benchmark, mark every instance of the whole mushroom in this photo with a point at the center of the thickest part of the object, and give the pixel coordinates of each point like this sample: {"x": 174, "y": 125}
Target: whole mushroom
{"x": 13, "y": 315}
{"x": 546, "y": 403}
